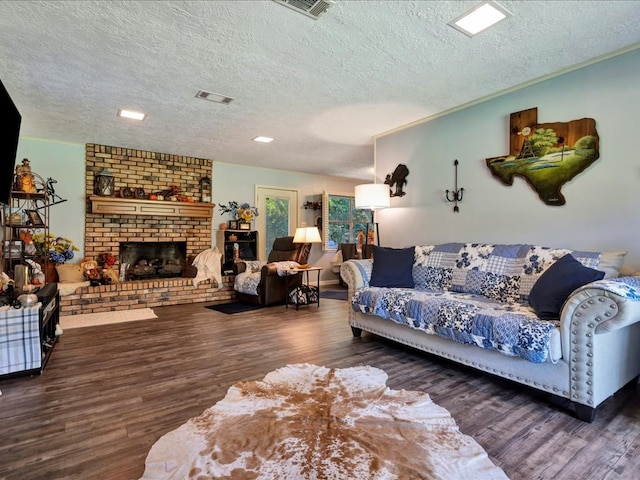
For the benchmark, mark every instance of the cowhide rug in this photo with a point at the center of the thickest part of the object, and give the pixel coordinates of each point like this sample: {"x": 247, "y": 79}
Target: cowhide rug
{"x": 309, "y": 422}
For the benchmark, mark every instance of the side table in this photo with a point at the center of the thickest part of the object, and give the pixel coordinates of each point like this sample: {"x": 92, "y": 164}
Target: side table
{"x": 305, "y": 293}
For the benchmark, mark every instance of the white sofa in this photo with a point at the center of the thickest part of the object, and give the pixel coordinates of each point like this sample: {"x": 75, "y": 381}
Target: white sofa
{"x": 593, "y": 347}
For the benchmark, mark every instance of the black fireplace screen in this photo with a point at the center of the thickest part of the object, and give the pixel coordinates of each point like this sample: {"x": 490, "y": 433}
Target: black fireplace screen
{"x": 153, "y": 259}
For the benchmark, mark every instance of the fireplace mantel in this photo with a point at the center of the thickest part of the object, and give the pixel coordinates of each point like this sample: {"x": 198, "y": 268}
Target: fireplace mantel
{"x": 166, "y": 208}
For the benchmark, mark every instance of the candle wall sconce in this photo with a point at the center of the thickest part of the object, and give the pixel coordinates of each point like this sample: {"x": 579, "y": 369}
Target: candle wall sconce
{"x": 455, "y": 195}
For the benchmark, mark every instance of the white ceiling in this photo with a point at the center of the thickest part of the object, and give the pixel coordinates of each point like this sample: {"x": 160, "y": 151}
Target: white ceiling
{"x": 322, "y": 88}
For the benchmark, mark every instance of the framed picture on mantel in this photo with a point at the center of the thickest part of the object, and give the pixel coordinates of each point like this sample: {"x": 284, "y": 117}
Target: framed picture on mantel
{"x": 233, "y": 224}
{"x": 244, "y": 226}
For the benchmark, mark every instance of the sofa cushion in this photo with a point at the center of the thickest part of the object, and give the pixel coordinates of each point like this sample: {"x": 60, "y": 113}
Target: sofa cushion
{"x": 556, "y": 284}
{"x": 511, "y": 328}
{"x": 392, "y": 267}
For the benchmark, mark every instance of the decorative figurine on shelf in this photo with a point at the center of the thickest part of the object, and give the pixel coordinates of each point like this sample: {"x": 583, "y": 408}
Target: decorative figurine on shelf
{"x": 51, "y": 192}
{"x": 109, "y": 275}
{"x": 25, "y": 181}
{"x": 27, "y": 241}
{"x": 90, "y": 271}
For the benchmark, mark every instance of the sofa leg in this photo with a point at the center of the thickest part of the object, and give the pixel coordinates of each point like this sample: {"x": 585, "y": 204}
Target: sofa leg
{"x": 356, "y": 332}
{"x": 584, "y": 413}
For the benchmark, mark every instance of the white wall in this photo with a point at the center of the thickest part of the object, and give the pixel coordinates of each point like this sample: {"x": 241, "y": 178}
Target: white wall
{"x": 602, "y": 210}
{"x": 65, "y": 163}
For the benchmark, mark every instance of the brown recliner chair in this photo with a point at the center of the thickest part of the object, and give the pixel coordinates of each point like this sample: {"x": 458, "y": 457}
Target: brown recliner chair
{"x": 262, "y": 284}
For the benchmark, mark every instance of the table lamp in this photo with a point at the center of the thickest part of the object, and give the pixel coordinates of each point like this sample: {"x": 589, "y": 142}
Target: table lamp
{"x": 307, "y": 235}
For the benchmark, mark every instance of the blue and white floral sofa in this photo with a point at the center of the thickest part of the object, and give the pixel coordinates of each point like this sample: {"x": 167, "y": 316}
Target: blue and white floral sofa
{"x": 557, "y": 320}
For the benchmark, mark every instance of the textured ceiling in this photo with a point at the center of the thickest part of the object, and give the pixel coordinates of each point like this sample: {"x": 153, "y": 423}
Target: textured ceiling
{"x": 322, "y": 88}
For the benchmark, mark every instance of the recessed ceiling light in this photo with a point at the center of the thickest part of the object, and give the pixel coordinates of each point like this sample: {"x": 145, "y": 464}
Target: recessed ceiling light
{"x": 480, "y": 18}
{"x": 131, "y": 114}
{"x": 263, "y": 139}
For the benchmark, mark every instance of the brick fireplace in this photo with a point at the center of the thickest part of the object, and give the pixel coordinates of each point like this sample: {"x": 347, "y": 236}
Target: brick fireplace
{"x": 150, "y": 172}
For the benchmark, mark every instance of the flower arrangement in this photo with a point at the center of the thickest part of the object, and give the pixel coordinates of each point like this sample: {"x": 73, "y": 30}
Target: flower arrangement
{"x": 57, "y": 249}
{"x": 106, "y": 259}
{"x": 243, "y": 212}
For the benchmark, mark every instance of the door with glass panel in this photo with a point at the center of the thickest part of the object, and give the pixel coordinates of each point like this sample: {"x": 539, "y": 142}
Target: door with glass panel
{"x": 278, "y": 208}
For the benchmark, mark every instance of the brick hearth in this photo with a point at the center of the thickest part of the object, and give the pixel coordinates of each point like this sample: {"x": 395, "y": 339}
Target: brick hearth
{"x": 152, "y": 172}
{"x": 145, "y": 293}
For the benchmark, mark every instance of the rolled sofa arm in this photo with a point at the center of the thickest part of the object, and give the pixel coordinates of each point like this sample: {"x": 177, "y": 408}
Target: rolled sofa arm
{"x": 356, "y": 274}
{"x": 591, "y": 322}
{"x": 612, "y": 303}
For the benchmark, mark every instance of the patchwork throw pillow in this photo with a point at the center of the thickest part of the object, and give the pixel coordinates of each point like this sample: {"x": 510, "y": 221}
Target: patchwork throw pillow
{"x": 432, "y": 278}
{"x": 556, "y": 284}
{"x": 502, "y": 288}
{"x": 392, "y": 267}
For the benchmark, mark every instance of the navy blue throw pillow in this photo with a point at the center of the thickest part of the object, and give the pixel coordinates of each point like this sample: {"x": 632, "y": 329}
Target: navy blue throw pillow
{"x": 392, "y": 267}
{"x": 556, "y": 284}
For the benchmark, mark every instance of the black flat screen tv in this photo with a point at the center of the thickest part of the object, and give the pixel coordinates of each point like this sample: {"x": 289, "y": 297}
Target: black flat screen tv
{"x": 8, "y": 142}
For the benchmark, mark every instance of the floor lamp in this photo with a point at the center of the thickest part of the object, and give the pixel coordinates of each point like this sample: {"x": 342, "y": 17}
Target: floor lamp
{"x": 372, "y": 196}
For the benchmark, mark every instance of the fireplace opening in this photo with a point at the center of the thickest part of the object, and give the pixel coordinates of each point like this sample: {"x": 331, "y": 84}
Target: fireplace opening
{"x": 153, "y": 259}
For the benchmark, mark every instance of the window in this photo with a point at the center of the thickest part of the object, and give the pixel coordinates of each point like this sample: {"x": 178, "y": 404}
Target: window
{"x": 341, "y": 220}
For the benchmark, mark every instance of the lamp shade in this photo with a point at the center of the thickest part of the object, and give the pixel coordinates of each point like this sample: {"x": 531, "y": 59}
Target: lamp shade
{"x": 372, "y": 196}
{"x": 307, "y": 235}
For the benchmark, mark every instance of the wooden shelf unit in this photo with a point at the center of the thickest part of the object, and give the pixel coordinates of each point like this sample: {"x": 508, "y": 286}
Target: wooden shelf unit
{"x": 247, "y": 242}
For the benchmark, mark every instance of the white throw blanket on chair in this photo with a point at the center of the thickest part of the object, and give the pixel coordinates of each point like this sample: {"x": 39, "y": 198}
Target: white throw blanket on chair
{"x": 208, "y": 263}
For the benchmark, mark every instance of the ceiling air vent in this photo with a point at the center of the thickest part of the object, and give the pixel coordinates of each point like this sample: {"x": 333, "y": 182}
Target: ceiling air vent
{"x": 214, "y": 97}
{"x": 310, "y": 8}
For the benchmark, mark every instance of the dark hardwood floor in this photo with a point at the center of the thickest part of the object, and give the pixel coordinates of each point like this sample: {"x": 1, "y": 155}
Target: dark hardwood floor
{"x": 108, "y": 393}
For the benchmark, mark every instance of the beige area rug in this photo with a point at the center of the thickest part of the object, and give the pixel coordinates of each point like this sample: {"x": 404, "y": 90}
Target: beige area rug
{"x": 305, "y": 422}
{"x": 105, "y": 318}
